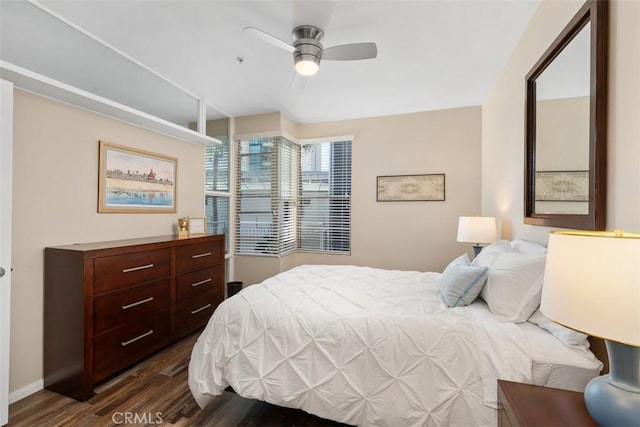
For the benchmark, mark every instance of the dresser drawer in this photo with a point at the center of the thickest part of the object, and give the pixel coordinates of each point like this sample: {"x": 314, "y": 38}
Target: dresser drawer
{"x": 194, "y": 313}
{"x": 200, "y": 282}
{"x": 119, "y": 271}
{"x": 116, "y": 308}
{"x": 130, "y": 342}
{"x": 198, "y": 256}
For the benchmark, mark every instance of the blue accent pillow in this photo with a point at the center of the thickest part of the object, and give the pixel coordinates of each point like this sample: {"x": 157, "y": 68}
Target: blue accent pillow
{"x": 461, "y": 283}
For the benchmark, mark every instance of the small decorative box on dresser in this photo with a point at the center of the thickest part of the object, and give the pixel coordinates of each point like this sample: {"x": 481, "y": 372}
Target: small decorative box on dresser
{"x": 530, "y": 405}
{"x": 110, "y": 304}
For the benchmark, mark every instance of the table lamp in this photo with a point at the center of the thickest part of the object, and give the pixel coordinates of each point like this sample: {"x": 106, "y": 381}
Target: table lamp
{"x": 592, "y": 284}
{"x": 476, "y": 230}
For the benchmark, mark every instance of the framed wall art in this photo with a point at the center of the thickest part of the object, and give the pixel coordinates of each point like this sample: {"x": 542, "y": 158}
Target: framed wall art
{"x": 136, "y": 181}
{"x": 402, "y": 188}
{"x": 562, "y": 186}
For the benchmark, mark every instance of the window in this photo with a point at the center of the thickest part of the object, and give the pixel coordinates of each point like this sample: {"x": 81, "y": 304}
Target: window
{"x": 266, "y": 196}
{"x": 216, "y": 164}
{"x": 324, "y": 214}
{"x": 217, "y": 212}
{"x": 217, "y": 189}
{"x": 293, "y": 198}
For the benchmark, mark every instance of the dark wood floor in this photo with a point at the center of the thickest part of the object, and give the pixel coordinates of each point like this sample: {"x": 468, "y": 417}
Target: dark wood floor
{"x": 154, "y": 392}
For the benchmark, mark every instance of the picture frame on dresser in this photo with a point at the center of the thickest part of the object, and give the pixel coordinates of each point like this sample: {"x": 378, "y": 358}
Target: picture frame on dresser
{"x": 131, "y": 180}
{"x": 197, "y": 226}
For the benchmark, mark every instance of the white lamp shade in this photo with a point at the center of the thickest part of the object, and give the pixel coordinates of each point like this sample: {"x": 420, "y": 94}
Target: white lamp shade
{"x": 476, "y": 229}
{"x": 592, "y": 284}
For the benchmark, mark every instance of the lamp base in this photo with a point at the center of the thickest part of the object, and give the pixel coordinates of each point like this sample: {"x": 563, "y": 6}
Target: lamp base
{"x": 476, "y": 250}
{"x": 614, "y": 399}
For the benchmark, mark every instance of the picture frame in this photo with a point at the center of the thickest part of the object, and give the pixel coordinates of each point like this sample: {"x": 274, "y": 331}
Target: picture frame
{"x": 562, "y": 186}
{"x": 197, "y": 226}
{"x": 131, "y": 180}
{"x": 410, "y": 188}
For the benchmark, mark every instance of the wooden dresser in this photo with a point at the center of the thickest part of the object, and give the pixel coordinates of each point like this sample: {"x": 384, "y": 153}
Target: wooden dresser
{"x": 110, "y": 304}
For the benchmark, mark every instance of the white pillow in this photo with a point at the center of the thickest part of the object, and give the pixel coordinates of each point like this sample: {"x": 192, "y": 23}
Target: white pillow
{"x": 514, "y": 286}
{"x": 528, "y": 248}
{"x": 460, "y": 283}
{"x": 565, "y": 335}
{"x": 488, "y": 254}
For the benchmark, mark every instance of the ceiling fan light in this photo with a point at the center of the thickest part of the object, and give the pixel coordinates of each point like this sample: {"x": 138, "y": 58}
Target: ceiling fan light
{"x": 307, "y": 65}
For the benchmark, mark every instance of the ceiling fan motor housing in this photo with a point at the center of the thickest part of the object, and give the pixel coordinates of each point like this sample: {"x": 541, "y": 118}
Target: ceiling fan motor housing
{"x": 307, "y": 43}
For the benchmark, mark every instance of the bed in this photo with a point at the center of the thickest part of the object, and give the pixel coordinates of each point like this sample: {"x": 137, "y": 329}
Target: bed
{"x": 374, "y": 347}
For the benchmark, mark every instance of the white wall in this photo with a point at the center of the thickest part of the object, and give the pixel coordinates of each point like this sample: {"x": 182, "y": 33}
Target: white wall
{"x": 503, "y": 120}
{"x": 55, "y": 185}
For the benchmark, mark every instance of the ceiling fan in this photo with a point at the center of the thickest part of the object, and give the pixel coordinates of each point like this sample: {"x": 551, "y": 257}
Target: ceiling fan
{"x": 308, "y": 50}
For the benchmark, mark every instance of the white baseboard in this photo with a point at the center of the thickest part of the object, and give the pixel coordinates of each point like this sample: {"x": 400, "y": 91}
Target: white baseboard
{"x": 25, "y": 391}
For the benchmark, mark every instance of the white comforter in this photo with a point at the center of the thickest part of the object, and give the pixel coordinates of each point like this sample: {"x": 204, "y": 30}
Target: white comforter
{"x": 359, "y": 345}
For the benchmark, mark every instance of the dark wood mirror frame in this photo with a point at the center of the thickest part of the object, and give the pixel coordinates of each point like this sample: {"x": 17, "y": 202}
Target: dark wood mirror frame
{"x": 595, "y": 12}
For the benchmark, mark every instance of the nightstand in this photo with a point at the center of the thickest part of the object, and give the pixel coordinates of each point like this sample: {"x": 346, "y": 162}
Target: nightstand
{"x": 530, "y": 405}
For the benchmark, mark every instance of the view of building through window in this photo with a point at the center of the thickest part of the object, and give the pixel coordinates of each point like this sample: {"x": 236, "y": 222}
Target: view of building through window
{"x": 324, "y": 216}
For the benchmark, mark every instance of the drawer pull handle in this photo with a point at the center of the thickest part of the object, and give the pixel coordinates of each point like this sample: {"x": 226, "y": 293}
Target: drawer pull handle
{"x": 201, "y": 255}
{"x": 133, "y": 304}
{"x": 142, "y": 267}
{"x": 197, "y": 310}
{"x": 139, "y": 337}
{"x": 202, "y": 282}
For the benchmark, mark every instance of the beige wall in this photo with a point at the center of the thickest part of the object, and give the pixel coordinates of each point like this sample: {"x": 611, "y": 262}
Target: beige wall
{"x": 55, "y": 182}
{"x": 400, "y": 235}
{"x": 562, "y": 134}
{"x": 265, "y": 123}
{"x": 503, "y": 120}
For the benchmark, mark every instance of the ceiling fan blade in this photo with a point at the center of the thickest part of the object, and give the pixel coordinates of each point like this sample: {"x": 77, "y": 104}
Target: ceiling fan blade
{"x": 268, "y": 38}
{"x": 350, "y": 52}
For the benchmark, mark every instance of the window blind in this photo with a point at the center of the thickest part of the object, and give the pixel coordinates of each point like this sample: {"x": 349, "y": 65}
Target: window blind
{"x": 266, "y": 196}
{"x": 324, "y": 214}
{"x": 217, "y": 189}
{"x": 217, "y": 212}
{"x": 216, "y": 166}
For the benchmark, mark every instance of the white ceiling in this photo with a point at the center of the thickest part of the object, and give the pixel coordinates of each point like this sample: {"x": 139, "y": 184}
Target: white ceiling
{"x": 432, "y": 54}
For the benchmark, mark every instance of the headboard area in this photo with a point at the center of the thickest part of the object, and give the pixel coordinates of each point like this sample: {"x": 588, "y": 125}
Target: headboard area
{"x": 599, "y": 349}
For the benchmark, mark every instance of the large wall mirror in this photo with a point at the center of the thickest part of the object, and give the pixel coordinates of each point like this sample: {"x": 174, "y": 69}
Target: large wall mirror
{"x": 566, "y": 126}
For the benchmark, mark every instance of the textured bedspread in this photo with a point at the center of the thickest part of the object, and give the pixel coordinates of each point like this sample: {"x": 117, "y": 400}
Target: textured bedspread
{"x": 361, "y": 346}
